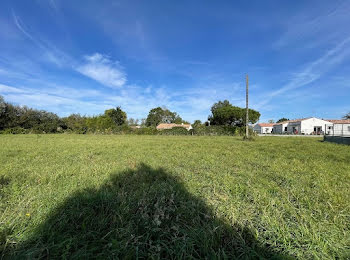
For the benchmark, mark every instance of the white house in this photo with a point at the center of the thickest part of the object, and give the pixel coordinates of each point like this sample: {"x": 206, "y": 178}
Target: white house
{"x": 306, "y": 126}
{"x": 263, "y": 128}
{"x": 280, "y": 128}
{"x": 338, "y": 127}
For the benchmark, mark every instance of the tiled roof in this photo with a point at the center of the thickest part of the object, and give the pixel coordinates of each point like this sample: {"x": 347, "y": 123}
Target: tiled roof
{"x": 169, "y": 126}
{"x": 339, "y": 121}
{"x": 266, "y": 124}
{"x": 293, "y": 121}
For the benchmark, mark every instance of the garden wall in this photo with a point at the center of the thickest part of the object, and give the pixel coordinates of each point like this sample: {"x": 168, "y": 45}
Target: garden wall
{"x": 337, "y": 139}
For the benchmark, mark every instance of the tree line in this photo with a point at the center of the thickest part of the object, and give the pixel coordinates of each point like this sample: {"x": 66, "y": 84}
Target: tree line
{"x": 22, "y": 119}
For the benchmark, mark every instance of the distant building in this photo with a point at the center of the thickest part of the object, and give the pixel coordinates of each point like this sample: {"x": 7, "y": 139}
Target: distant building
{"x": 263, "y": 128}
{"x": 306, "y": 126}
{"x": 163, "y": 126}
{"x": 338, "y": 127}
{"x": 280, "y": 128}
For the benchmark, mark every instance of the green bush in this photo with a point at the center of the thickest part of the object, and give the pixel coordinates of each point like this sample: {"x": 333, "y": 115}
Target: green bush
{"x": 241, "y": 131}
{"x": 93, "y": 128}
{"x": 123, "y": 129}
{"x": 215, "y": 130}
{"x": 249, "y": 138}
{"x": 175, "y": 131}
{"x": 15, "y": 130}
{"x": 145, "y": 131}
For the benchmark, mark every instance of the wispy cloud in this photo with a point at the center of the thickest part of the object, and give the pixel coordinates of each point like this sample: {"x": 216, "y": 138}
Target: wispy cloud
{"x": 322, "y": 24}
{"x": 9, "y": 89}
{"x": 52, "y": 54}
{"x": 313, "y": 71}
{"x": 102, "y": 69}
{"x": 53, "y": 5}
{"x": 136, "y": 100}
{"x": 61, "y": 100}
{"x": 19, "y": 25}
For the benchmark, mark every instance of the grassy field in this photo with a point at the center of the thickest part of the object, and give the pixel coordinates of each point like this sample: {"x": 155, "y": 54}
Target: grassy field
{"x": 84, "y": 196}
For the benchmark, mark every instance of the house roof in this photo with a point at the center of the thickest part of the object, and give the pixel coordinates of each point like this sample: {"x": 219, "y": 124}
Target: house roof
{"x": 169, "y": 126}
{"x": 293, "y": 121}
{"x": 266, "y": 124}
{"x": 339, "y": 121}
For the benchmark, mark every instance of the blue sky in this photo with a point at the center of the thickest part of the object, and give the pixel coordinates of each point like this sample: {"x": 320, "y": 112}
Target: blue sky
{"x": 86, "y": 56}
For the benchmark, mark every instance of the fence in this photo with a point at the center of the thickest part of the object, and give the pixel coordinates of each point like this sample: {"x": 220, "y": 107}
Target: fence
{"x": 337, "y": 130}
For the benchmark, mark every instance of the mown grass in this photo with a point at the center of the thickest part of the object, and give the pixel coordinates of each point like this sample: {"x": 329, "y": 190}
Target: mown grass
{"x": 87, "y": 196}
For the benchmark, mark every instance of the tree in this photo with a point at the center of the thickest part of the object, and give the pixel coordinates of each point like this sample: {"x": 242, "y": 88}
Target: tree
{"x": 223, "y": 113}
{"x": 162, "y": 115}
{"x": 132, "y": 122}
{"x": 10, "y": 115}
{"x": 117, "y": 115}
{"x": 48, "y": 122}
{"x": 143, "y": 122}
{"x": 271, "y": 121}
{"x": 2, "y": 105}
{"x": 347, "y": 116}
{"x": 282, "y": 120}
{"x": 155, "y": 116}
{"x": 197, "y": 123}
{"x": 29, "y": 118}
{"x": 253, "y": 116}
{"x": 220, "y": 104}
{"x": 76, "y": 123}
{"x": 2, "y": 113}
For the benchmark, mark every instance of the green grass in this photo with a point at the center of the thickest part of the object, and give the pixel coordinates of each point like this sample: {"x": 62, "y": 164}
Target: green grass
{"x": 88, "y": 196}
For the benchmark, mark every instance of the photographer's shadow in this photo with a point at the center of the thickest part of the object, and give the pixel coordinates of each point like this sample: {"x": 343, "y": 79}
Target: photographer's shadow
{"x": 140, "y": 213}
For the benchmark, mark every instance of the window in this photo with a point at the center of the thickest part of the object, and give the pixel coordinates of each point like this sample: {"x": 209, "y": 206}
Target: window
{"x": 285, "y": 129}
{"x": 349, "y": 128}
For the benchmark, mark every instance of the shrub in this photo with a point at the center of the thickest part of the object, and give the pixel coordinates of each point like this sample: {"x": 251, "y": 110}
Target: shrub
{"x": 175, "y": 131}
{"x": 249, "y": 138}
{"x": 15, "y": 130}
{"x": 241, "y": 131}
{"x": 215, "y": 130}
{"x": 123, "y": 129}
{"x": 145, "y": 131}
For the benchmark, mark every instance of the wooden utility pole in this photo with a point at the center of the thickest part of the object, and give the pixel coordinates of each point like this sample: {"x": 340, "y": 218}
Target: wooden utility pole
{"x": 246, "y": 105}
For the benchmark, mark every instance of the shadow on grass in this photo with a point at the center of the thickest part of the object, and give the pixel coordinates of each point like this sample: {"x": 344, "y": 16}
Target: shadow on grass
{"x": 141, "y": 213}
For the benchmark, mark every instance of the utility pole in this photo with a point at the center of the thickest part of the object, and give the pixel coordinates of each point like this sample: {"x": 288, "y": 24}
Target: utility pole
{"x": 246, "y": 105}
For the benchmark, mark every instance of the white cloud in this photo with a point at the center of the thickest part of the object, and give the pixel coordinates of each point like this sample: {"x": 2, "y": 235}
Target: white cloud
{"x": 53, "y": 5}
{"x": 8, "y": 89}
{"x": 316, "y": 26}
{"x": 100, "y": 68}
{"x": 50, "y": 52}
{"x": 61, "y": 100}
{"x": 191, "y": 103}
{"x": 19, "y": 25}
{"x": 52, "y": 89}
{"x": 312, "y": 71}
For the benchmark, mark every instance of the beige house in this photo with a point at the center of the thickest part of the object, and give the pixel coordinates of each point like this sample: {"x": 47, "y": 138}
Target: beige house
{"x": 163, "y": 126}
